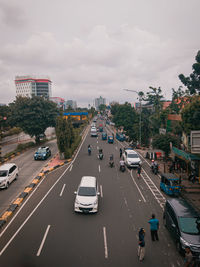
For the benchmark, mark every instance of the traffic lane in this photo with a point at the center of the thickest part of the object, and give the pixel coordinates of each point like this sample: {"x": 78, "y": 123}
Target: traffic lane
{"x": 23, "y": 233}
{"x": 66, "y": 219}
{"x": 166, "y": 245}
{"x": 28, "y": 170}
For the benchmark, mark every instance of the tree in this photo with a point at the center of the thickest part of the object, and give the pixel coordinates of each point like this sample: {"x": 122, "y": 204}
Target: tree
{"x": 154, "y": 98}
{"x": 126, "y": 116}
{"x": 33, "y": 115}
{"x": 191, "y": 115}
{"x": 65, "y": 135}
{"x": 193, "y": 81}
{"x": 162, "y": 142}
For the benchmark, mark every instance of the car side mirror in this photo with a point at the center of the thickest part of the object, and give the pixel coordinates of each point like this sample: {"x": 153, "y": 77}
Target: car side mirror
{"x": 75, "y": 192}
{"x": 173, "y": 225}
{"x": 98, "y": 194}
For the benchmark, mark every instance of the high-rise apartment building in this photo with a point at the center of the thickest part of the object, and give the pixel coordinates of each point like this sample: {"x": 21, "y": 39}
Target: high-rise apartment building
{"x": 27, "y": 86}
{"x": 70, "y": 103}
{"x": 58, "y": 100}
{"x": 99, "y": 101}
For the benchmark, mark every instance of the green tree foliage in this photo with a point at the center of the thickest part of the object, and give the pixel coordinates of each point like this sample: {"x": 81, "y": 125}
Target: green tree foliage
{"x": 102, "y": 107}
{"x": 5, "y": 115}
{"x": 145, "y": 127}
{"x": 154, "y": 98}
{"x": 126, "y": 116}
{"x": 65, "y": 136}
{"x": 162, "y": 142}
{"x": 191, "y": 115}
{"x": 178, "y": 100}
{"x": 33, "y": 115}
{"x": 193, "y": 81}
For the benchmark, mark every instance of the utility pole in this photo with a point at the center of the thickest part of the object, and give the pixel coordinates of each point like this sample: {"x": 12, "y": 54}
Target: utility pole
{"x": 140, "y": 121}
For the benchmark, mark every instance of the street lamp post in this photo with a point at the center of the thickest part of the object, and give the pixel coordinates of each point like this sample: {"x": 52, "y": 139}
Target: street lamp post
{"x": 140, "y": 122}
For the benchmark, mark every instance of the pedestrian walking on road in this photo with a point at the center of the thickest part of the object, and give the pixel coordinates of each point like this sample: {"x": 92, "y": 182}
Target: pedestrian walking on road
{"x": 139, "y": 171}
{"x": 154, "y": 226}
{"x": 141, "y": 244}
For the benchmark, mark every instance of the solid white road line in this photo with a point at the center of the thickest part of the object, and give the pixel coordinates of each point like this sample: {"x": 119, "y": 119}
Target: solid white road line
{"x": 62, "y": 190}
{"x": 137, "y": 187}
{"x": 99, "y": 168}
{"x": 43, "y": 240}
{"x": 71, "y": 168}
{"x": 101, "y": 191}
{"x": 33, "y": 211}
{"x": 105, "y": 242}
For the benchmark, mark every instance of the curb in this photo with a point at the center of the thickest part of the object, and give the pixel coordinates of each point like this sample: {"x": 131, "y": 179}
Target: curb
{"x": 28, "y": 189}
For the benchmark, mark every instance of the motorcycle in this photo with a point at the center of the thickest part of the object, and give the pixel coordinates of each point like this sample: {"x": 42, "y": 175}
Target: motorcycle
{"x": 111, "y": 163}
{"x": 122, "y": 168}
{"x": 154, "y": 169}
{"x": 89, "y": 151}
{"x": 100, "y": 156}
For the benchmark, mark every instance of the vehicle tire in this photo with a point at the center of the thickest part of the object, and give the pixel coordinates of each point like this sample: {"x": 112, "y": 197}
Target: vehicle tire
{"x": 178, "y": 247}
{"x": 7, "y": 185}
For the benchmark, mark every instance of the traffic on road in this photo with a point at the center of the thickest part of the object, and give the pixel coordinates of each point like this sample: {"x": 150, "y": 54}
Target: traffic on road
{"x": 88, "y": 213}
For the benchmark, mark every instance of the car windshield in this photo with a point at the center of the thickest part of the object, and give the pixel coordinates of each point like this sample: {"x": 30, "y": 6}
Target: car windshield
{"x": 87, "y": 191}
{"x": 190, "y": 225}
{"x": 41, "y": 150}
{"x": 132, "y": 156}
{"x": 3, "y": 173}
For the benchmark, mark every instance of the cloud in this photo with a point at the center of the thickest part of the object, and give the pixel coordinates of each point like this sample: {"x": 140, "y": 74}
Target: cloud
{"x": 102, "y": 63}
{"x": 12, "y": 15}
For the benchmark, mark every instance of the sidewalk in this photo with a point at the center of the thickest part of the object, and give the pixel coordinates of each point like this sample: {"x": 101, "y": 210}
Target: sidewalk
{"x": 190, "y": 191}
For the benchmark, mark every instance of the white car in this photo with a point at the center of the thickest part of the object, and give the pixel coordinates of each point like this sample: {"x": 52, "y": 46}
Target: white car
{"x": 93, "y": 132}
{"x": 86, "y": 200}
{"x": 8, "y": 173}
{"x": 131, "y": 158}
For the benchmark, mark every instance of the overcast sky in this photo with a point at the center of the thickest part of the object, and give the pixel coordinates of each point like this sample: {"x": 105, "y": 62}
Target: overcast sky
{"x": 90, "y": 48}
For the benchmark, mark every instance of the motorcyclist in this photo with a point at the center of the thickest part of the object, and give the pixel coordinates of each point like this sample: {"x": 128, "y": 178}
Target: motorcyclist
{"x": 111, "y": 161}
{"x": 122, "y": 164}
{"x": 100, "y": 153}
{"x": 89, "y": 150}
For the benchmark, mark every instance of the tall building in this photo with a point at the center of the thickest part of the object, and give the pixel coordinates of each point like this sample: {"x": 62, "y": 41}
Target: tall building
{"x": 58, "y": 100}
{"x": 99, "y": 101}
{"x": 27, "y": 86}
{"x": 70, "y": 103}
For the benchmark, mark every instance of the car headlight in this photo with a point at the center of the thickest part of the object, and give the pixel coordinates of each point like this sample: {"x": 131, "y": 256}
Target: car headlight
{"x": 184, "y": 242}
{"x": 44, "y": 155}
{"x": 77, "y": 202}
{"x": 95, "y": 202}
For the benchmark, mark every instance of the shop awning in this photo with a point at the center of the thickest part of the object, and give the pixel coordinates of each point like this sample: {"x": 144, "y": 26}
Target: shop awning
{"x": 184, "y": 155}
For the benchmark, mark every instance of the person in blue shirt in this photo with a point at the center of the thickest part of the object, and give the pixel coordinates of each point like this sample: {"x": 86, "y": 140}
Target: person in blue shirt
{"x": 154, "y": 226}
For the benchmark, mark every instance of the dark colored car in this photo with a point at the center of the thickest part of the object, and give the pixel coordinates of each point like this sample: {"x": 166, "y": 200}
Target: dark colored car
{"x": 42, "y": 153}
{"x": 120, "y": 137}
{"x": 104, "y": 136}
{"x": 110, "y": 139}
{"x": 183, "y": 222}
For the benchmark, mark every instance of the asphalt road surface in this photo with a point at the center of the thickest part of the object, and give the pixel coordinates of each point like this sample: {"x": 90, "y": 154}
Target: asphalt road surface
{"x": 47, "y": 232}
{"x": 28, "y": 170}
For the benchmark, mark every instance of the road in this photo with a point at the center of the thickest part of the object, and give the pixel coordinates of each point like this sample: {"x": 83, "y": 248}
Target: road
{"x": 47, "y": 232}
{"x": 28, "y": 170}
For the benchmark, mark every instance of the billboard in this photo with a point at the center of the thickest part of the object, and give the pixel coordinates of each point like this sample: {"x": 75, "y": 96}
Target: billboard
{"x": 195, "y": 142}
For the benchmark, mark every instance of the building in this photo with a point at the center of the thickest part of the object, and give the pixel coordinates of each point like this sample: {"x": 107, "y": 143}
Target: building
{"x": 28, "y": 86}
{"x": 58, "y": 100}
{"x": 70, "y": 104}
{"x": 99, "y": 101}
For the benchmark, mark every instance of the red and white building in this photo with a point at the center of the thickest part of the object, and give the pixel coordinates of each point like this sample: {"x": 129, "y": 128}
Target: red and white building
{"x": 28, "y": 86}
{"x": 58, "y": 100}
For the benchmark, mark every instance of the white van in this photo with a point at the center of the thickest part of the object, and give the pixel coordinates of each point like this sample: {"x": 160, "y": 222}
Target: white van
{"x": 8, "y": 173}
{"x": 86, "y": 200}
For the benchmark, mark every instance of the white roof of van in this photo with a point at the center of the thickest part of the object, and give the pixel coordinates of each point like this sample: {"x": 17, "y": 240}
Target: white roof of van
{"x": 89, "y": 181}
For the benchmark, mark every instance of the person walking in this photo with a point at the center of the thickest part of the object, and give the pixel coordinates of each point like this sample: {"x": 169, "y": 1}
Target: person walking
{"x": 139, "y": 171}
{"x": 154, "y": 226}
{"x": 141, "y": 244}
